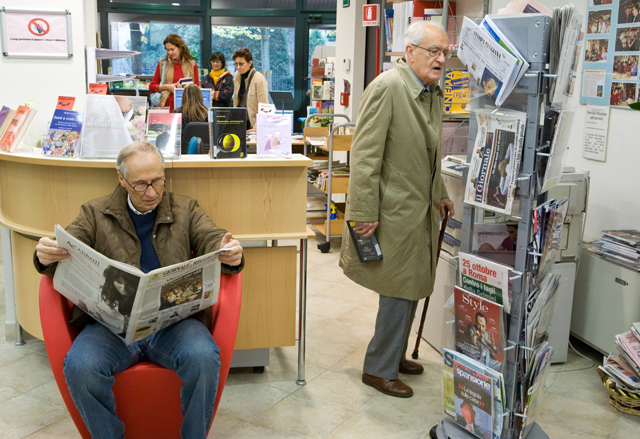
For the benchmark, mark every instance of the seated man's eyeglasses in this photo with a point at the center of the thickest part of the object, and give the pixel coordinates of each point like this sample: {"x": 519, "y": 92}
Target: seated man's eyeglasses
{"x": 142, "y": 187}
{"x": 435, "y": 52}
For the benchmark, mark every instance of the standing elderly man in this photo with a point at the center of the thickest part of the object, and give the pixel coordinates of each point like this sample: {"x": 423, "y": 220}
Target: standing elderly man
{"x": 396, "y": 191}
{"x": 142, "y": 225}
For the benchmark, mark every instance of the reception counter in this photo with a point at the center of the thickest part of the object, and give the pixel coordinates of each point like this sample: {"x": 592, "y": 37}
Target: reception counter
{"x": 258, "y": 200}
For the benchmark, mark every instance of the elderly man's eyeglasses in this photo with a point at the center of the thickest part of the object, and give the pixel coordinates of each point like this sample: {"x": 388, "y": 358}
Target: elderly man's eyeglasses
{"x": 142, "y": 187}
{"x": 435, "y": 52}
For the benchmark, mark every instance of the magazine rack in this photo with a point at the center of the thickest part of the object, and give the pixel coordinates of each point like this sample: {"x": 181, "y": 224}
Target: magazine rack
{"x": 530, "y": 34}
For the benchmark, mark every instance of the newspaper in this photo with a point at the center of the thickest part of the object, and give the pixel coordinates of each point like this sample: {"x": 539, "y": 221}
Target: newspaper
{"x": 130, "y": 303}
{"x": 489, "y": 63}
{"x": 495, "y": 161}
{"x": 550, "y": 168}
{"x": 485, "y": 278}
{"x": 566, "y": 65}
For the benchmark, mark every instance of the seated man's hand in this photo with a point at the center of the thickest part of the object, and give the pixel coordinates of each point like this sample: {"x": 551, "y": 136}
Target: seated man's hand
{"x": 48, "y": 252}
{"x": 232, "y": 257}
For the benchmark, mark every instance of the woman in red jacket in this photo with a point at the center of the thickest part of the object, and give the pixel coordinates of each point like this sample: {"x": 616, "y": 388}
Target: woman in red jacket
{"x": 178, "y": 64}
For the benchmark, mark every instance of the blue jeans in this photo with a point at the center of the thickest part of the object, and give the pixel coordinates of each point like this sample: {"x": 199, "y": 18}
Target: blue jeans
{"x": 97, "y": 355}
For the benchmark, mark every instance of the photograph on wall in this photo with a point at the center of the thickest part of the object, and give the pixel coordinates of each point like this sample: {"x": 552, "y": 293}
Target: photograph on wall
{"x": 596, "y": 50}
{"x": 628, "y": 12}
{"x": 600, "y": 2}
{"x": 625, "y": 67}
{"x": 627, "y": 39}
{"x": 599, "y": 22}
{"x": 623, "y": 94}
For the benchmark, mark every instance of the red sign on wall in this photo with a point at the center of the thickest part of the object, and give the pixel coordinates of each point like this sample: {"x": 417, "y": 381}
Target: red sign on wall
{"x": 370, "y": 15}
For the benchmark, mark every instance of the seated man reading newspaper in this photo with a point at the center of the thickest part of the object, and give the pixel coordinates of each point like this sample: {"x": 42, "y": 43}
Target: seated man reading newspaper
{"x": 142, "y": 225}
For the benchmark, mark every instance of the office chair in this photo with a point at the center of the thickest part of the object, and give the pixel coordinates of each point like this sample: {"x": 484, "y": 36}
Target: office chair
{"x": 198, "y": 130}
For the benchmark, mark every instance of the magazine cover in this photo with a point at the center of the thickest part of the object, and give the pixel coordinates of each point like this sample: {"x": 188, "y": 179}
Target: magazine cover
{"x": 456, "y": 92}
{"x": 64, "y": 133}
{"x": 484, "y": 278}
{"x": 497, "y": 380}
{"x": 111, "y": 123}
{"x": 473, "y": 400}
{"x": 479, "y": 328}
{"x": 495, "y": 161}
{"x": 228, "y": 133}
{"x": 273, "y": 135}
{"x": 164, "y": 131}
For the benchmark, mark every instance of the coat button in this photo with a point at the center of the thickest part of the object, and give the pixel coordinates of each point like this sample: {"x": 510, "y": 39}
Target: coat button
{"x": 154, "y": 236}
{"x": 168, "y": 217}
{"x": 428, "y": 244}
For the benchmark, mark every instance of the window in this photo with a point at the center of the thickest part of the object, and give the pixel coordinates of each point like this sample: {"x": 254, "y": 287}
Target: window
{"x": 320, "y": 35}
{"x": 271, "y": 42}
{"x": 253, "y": 4}
{"x": 145, "y": 33}
{"x": 320, "y": 4}
{"x": 159, "y": 2}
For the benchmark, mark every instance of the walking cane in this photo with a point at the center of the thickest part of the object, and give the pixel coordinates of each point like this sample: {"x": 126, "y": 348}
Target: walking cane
{"x": 414, "y": 355}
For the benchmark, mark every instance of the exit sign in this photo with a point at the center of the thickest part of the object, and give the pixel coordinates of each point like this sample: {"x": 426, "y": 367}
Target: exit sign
{"x": 345, "y": 3}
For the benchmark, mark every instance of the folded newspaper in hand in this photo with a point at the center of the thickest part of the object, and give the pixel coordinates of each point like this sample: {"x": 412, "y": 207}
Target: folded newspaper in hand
{"x": 130, "y": 303}
{"x": 495, "y": 161}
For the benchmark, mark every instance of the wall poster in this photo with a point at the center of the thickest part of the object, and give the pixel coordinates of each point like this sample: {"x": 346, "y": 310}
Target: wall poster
{"x": 36, "y": 34}
{"x": 611, "y": 53}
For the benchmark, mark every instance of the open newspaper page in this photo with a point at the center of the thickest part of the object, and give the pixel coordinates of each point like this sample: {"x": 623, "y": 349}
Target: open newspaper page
{"x": 485, "y": 278}
{"x": 130, "y": 303}
{"x": 495, "y": 161}
{"x": 491, "y": 65}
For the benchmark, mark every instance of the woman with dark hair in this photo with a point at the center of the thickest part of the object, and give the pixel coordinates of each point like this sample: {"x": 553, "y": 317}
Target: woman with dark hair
{"x": 250, "y": 85}
{"x": 178, "y": 64}
{"x": 193, "y": 108}
{"x": 119, "y": 291}
{"x": 220, "y": 81}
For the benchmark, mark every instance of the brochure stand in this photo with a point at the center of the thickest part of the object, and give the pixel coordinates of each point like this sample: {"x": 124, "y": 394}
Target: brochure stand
{"x": 530, "y": 34}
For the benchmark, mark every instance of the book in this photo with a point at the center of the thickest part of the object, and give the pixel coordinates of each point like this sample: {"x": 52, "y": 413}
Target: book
{"x": 228, "y": 133}
{"x": 388, "y": 28}
{"x": 165, "y": 132}
{"x": 17, "y": 128}
{"x": 273, "y": 135}
{"x": 457, "y": 93}
{"x": 473, "y": 396}
{"x": 111, "y": 123}
{"x": 479, "y": 328}
{"x": 64, "y": 133}
{"x": 484, "y": 278}
{"x": 368, "y": 249}
{"x": 495, "y": 160}
{"x": 6, "y": 115}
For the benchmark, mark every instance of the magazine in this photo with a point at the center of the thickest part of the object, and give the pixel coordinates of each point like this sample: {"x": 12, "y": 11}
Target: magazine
{"x": 273, "y": 135}
{"x": 111, "y": 123}
{"x": 165, "y": 132}
{"x": 64, "y": 133}
{"x": 495, "y": 161}
{"x": 456, "y": 92}
{"x": 629, "y": 348}
{"x": 567, "y": 51}
{"x": 627, "y": 237}
{"x": 228, "y": 133}
{"x": 473, "y": 400}
{"x": 554, "y": 214}
{"x": 497, "y": 380}
{"x": 534, "y": 387}
{"x": 550, "y": 168}
{"x": 130, "y": 303}
{"x": 489, "y": 63}
{"x": 479, "y": 328}
{"x": 539, "y": 312}
{"x": 484, "y": 278}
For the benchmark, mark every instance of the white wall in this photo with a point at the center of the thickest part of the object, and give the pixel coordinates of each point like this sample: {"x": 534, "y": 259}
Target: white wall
{"x": 613, "y": 202}
{"x": 45, "y": 79}
{"x": 350, "y": 43}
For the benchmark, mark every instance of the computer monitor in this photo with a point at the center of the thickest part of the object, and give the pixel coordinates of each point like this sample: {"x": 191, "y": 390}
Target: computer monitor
{"x": 283, "y": 100}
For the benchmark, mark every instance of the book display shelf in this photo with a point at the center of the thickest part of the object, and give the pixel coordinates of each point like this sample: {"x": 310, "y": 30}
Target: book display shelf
{"x": 530, "y": 33}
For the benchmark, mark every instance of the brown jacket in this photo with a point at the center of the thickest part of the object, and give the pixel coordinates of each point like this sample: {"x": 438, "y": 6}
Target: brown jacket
{"x": 181, "y": 228}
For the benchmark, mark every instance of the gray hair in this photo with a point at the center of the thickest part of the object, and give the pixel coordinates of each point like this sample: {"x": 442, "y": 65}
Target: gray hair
{"x": 135, "y": 148}
{"x": 416, "y": 31}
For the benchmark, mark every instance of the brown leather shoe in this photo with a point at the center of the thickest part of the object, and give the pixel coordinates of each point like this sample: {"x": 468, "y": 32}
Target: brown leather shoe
{"x": 388, "y": 387}
{"x": 411, "y": 367}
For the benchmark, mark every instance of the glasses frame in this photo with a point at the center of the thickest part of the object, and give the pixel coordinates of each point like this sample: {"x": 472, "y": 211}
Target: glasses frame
{"x": 434, "y": 53}
{"x": 146, "y": 185}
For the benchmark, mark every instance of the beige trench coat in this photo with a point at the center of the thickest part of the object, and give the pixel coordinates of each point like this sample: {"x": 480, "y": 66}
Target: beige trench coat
{"x": 258, "y": 93}
{"x": 395, "y": 179}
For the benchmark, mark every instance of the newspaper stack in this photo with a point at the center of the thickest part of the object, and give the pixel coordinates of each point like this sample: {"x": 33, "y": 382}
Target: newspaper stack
{"x": 624, "y": 369}
{"x": 621, "y": 247}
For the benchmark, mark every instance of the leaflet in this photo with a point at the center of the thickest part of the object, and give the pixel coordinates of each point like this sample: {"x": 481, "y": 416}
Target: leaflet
{"x": 495, "y": 161}
{"x": 484, "y": 278}
{"x": 130, "y": 303}
{"x": 490, "y": 64}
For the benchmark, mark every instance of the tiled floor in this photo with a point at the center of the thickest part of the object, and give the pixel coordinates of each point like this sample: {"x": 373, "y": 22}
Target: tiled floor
{"x": 334, "y": 403}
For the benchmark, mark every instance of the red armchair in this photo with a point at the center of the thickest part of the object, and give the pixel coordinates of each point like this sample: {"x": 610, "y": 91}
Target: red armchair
{"x": 147, "y": 395}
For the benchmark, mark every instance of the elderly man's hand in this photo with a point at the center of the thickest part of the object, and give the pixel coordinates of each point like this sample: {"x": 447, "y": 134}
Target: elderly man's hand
{"x": 446, "y": 202}
{"x": 365, "y": 229}
{"x": 232, "y": 257}
{"x": 48, "y": 252}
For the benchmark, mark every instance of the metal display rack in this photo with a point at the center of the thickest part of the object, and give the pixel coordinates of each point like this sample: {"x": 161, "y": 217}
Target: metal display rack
{"x": 530, "y": 34}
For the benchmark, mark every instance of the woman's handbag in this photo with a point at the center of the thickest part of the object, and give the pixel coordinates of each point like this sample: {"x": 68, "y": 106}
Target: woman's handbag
{"x": 154, "y": 99}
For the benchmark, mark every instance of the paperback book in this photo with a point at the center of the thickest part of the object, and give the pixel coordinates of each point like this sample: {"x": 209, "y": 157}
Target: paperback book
{"x": 6, "y": 116}
{"x": 273, "y": 135}
{"x": 228, "y": 133}
{"x": 64, "y": 133}
{"x": 111, "y": 123}
{"x": 17, "y": 128}
{"x": 495, "y": 161}
{"x": 165, "y": 132}
{"x": 484, "y": 278}
{"x": 473, "y": 400}
{"x": 479, "y": 328}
